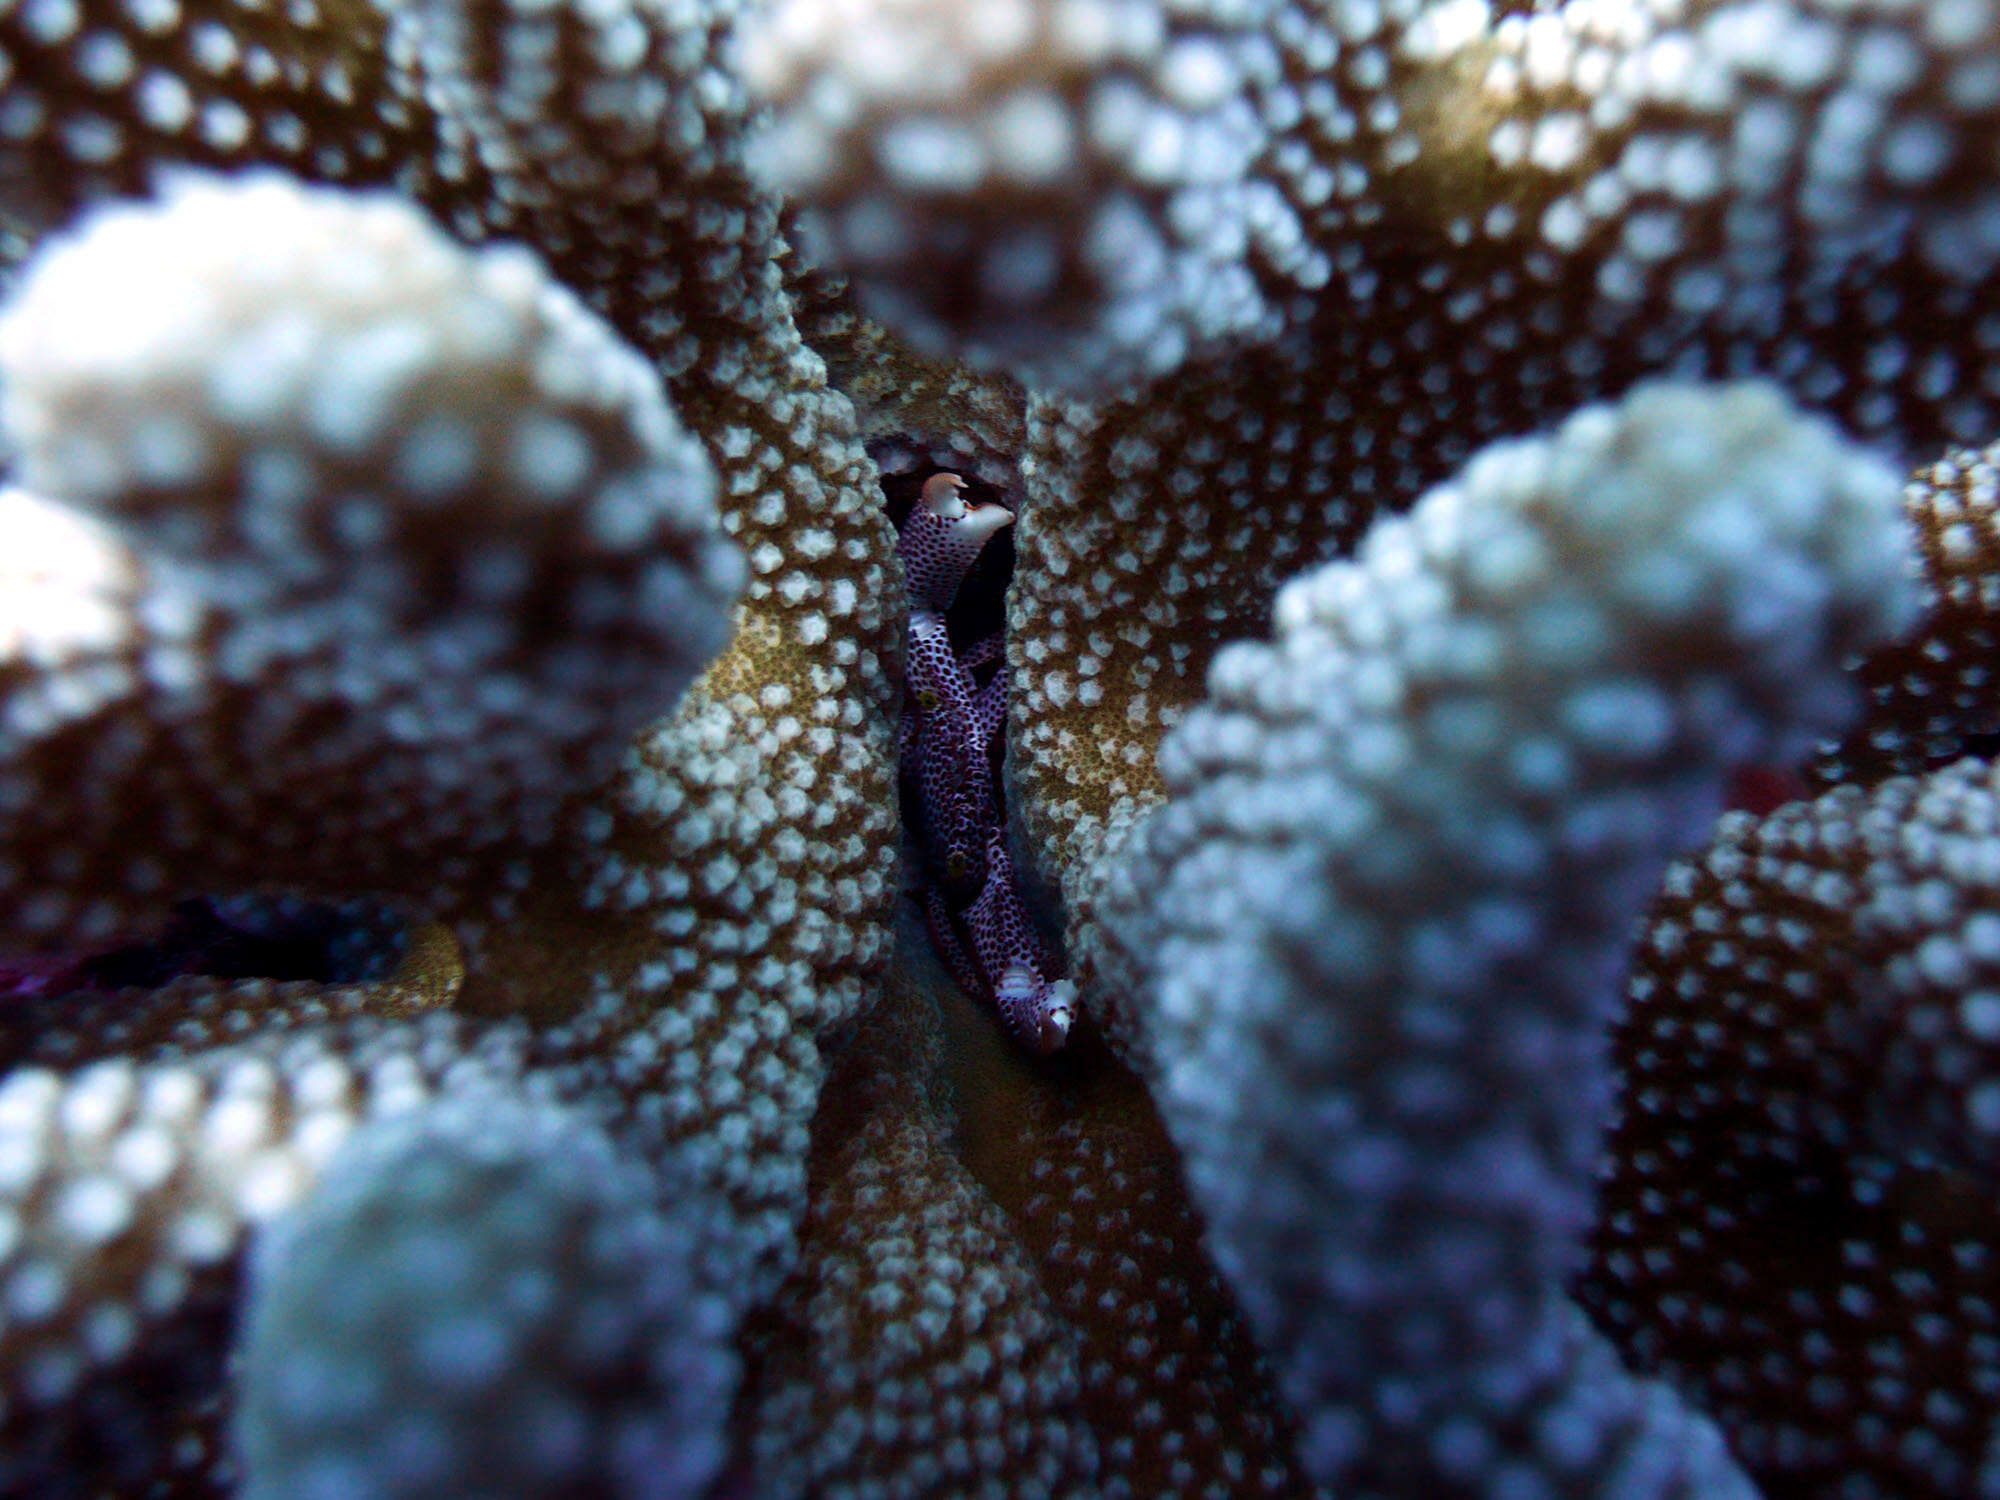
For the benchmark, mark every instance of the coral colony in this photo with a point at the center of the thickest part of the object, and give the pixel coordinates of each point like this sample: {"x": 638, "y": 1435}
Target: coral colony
{"x": 1445, "y": 942}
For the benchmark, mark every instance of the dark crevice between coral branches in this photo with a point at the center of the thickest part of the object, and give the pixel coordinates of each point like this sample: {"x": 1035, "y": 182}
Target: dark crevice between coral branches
{"x": 243, "y": 937}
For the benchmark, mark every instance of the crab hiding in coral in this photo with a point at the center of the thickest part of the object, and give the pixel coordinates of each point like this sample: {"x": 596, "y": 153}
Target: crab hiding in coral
{"x": 949, "y": 741}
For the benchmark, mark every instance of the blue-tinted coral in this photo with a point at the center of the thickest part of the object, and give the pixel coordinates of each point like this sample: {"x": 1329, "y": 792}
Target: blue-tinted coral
{"x": 321, "y": 588}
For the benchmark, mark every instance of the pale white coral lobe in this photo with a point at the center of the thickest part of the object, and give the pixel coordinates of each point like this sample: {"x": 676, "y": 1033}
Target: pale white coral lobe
{"x": 418, "y": 501}
{"x": 1073, "y": 189}
{"x": 1368, "y": 945}
{"x": 482, "y": 1295}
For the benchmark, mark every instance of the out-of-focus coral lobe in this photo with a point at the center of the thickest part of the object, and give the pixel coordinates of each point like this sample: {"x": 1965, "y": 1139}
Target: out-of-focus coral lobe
{"x": 1071, "y": 190}
{"x": 483, "y": 1294}
{"x": 1799, "y": 1186}
{"x": 418, "y": 533}
{"x": 1365, "y": 949}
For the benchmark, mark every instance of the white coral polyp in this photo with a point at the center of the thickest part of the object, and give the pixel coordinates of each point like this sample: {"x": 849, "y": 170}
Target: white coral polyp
{"x": 180, "y": 344}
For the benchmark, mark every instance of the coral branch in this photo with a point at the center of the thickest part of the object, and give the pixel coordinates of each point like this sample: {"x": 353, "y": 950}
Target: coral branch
{"x": 913, "y": 1308}
{"x": 1074, "y": 191}
{"x": 484, "y": 1295}
{"x": 426, "y": 539}
{"x": 1931, "y": 693}
{"x": 1809, "y": 1043}
{"x": 1370, "y": 940}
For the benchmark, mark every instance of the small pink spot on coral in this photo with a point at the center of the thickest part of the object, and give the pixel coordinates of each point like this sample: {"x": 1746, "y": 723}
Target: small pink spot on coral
{"x": 1760, "y": 790}
{"x": 33, "y": 976}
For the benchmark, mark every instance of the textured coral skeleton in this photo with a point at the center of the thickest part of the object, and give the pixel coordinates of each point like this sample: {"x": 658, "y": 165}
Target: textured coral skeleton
{"x": 443, "y": 444}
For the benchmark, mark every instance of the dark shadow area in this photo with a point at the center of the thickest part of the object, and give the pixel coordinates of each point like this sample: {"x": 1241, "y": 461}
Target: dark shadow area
{"x": 242, "y": 937}
{"x": 277, "y": 937}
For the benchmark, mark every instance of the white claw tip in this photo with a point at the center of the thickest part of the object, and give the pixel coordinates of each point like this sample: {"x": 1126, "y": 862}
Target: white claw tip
{"x": 941, "y": 496}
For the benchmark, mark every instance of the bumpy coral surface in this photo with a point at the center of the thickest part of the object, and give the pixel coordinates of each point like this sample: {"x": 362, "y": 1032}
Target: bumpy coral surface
{"x": 444, "y": 563}
{"x": 1930, "y": 698}
{"x": 1809, "y": 1041}
{"x": 1073, "y": 189}
{"x": 1369, "y": 939}
{"x": 486, "y": 1295}
{"x": 366, "y": 465}
{"x": 915, "y": 1351}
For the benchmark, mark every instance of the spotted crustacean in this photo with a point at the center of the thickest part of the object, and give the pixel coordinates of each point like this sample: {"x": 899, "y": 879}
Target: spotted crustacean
{"x": 951, "y": 723}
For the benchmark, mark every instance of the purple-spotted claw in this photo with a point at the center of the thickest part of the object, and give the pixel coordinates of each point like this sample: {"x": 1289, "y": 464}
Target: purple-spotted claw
{"x": 1037, "y": 1008}
{"x": 941, "y": 539}
{"x": 978, "y": 921}
{"x": 946, "y": 759}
